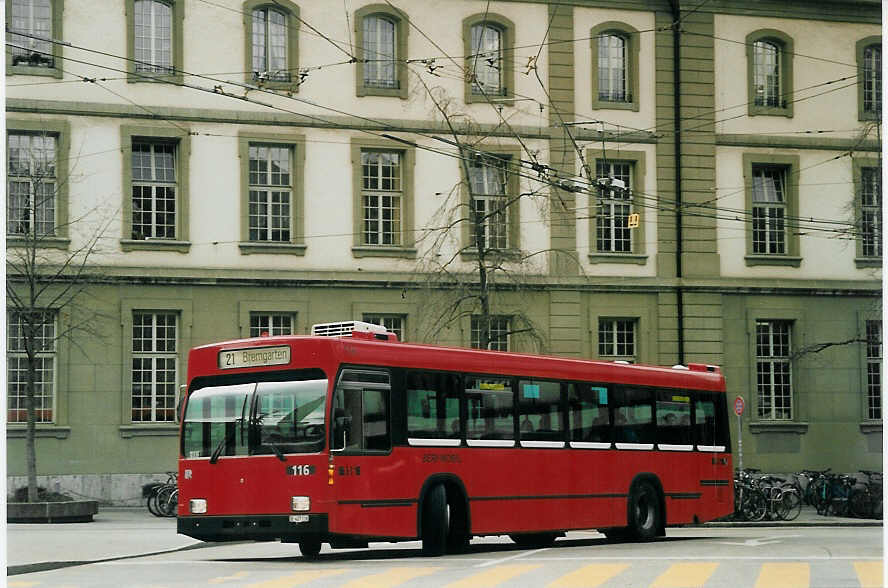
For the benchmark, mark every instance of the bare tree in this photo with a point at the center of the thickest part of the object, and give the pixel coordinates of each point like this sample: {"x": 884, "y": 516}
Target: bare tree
{"x": 44, "y": 280}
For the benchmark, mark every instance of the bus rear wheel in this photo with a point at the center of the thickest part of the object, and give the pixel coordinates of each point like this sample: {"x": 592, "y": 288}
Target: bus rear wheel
{"x": 310, "y": 548}
{"x": 435, "y": 521}
{"x": 644, "y": 511}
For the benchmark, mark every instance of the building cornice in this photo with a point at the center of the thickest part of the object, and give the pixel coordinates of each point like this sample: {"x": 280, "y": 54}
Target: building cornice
{"x": 784, "y": 142}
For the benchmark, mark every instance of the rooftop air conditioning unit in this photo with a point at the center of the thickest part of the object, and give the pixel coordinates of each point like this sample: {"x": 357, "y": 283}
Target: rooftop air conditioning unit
{"x": 348, "y": 328}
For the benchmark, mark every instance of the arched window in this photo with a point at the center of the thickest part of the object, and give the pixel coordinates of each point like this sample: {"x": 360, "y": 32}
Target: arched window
{"x": 487, "y": 60}
{"x": 380, "y": 51}
{"x": 153, "y": 37}
{"x": 766, "y": 74}
{"x": 612, "y": 68}
{"x": 872, "y": 79}
{"x": 270, "y": 45}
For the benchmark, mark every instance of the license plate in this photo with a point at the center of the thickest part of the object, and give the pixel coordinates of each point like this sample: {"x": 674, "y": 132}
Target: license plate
{"x": 298, "y": 518}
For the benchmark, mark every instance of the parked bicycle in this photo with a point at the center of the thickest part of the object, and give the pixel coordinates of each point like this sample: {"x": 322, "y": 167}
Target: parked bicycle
{"x": 866, "y": 497}
{"x": 832, "y": 494}
{"x": 750, "y": 503}
{"x": 163, "y": 498}
{"x": 783, "y": 500}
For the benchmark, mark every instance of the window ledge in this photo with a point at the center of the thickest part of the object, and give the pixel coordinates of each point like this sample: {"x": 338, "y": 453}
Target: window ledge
{"x": 870, "y": 427}
{"x": 497, "y": 99}
{"x": 781, "y": 260}
{"x": 155, "y": 245}
{"x": 503, "y": 254}
{"x": 385, "y": 92}
{"x": 868, "y": 115}
{"x": 865, "y": 262}
{"x": 34, "y": 70}
{"x": 149, "y": 430}
{"x": 770, "y": 111}
{"x": 153, "y": 78}
{"x": 778, "y": 427}
{"x": 42, "y": 242}
{"x": 633, "y": 258}
{"x": 614, "y": 105}
{"x": 248, "y": 248}
{"x": 383, "y": 251}
{"x": 16, "y": 431}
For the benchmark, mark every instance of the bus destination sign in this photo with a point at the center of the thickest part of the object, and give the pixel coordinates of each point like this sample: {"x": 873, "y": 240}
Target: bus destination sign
{"x": 254, "y": 357}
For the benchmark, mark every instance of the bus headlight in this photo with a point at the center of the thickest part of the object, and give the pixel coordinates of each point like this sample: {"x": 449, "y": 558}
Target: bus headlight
{"x": 197, "y": 505}
{"x": 300, "y": 503}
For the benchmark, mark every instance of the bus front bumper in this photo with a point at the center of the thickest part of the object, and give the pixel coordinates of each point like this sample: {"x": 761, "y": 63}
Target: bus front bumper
{"x": 253, "y": 527}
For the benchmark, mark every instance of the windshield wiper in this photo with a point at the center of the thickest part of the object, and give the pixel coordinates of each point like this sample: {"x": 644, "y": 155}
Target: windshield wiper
{"x": 277, "y": 451}
{"x": 217, "y": 452}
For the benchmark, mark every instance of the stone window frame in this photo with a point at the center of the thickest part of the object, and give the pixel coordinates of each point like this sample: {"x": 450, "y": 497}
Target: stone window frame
{"x": 861, "y": 261}
{"x": 638, "y": 255}
{"x": 296, "y": 143}
{"x": 291, "y": 11}
{"x": 49, "y": 351}
{"x": 155, "y": 355}
{"x": 183, "y": 308}
{"x": 407, "y": 248}
{"x": 507, "y": 48}
{"x": 62, "y": 131}
{"x": 785, "y": 43}
{"x": 180, "y": 244}
{"x": 368, "y": 317}
{"x": 792, "y": 257}
{"x": 495, "y": 319}
{"x": 247, "y": 307}
{"x": 468, "y": 250}
{"x": 56, "y": 71}
{"x": 402, "y": 28}
{"x": 633, "y": 47}
{"x": 863, "y": 317}
{"x": 860, "y": 47}
{"x": 632, "y": 357}
{"x": 178, "y": 33}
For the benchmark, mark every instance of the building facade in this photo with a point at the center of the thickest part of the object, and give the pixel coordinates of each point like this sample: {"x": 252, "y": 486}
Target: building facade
{"x": 649, "y": 181}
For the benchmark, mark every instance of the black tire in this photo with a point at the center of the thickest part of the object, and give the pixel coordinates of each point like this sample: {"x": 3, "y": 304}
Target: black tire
{"x": 170, "y": 505}
{"x": 859, "y": 504}
{"x": 644, "y": 512}
{"x": 152, "y": 501}
{"x": 435, "y": 522}
{"x": 534, "y": 539}
{"x": 310, "y": 548}
{"x": 790, "y": 505}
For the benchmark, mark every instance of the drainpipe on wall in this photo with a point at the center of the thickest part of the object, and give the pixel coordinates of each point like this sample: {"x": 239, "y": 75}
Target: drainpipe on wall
{"x": 676, "y": 97}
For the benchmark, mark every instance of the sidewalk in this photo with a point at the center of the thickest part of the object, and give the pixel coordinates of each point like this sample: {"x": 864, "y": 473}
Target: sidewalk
{"x": 130, "y": 532}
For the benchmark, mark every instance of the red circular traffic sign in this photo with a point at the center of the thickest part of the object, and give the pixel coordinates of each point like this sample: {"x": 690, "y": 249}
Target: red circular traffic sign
{"x": 739, "y": 405}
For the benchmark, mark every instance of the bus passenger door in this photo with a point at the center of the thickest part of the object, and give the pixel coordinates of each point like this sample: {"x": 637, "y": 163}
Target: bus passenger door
{"x": 361, "y": 451}
{"x": 712, "y": 439}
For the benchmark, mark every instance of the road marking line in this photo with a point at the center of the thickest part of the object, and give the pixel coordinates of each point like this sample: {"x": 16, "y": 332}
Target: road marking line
{"x": 784, "y": 575}
{"x": 296, "y": 579}
{"x": 685, "y": 575}
{"x": 233, "y": 577}
{"x": 21, "y": 584}
{"x": 494, "y": 562}
{"x": 589, "y": 576}
{"x": 869, "y": 573}
{"x": 393, "y": 577}
{"x": 493, "y": 576}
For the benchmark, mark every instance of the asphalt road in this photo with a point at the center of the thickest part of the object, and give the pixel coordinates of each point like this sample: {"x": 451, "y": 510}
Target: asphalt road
{"x": 829, "y": 557}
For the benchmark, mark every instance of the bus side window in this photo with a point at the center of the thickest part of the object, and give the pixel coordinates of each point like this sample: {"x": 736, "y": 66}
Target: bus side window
{"x": 539, "y": 407}
{"x": 589, "y": 413}
{"x": 710, "y": 420}
{"x": 432, "y": 406}
{"x": 361, "y": 412}
{"x": 674, "y": 418}
{"x": 490, "y": 404}
{"x": 633, "y": 416}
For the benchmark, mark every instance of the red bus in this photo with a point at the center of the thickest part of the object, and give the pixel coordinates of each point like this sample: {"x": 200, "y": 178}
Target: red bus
{"x": 346, "y": 439}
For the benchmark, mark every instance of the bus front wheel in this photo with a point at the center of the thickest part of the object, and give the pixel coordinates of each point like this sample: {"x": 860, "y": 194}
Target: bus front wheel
{"x": 644, "y": 511}
{"x": 435, "y": 523}
{"x": 310, "y": 548}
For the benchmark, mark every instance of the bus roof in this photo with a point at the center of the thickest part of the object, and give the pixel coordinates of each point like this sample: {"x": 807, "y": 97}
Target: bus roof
{"x": 203, "y": 361}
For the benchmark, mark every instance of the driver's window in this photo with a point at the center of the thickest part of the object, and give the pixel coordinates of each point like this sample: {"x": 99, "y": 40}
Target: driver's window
{"x": 361, "y": 412}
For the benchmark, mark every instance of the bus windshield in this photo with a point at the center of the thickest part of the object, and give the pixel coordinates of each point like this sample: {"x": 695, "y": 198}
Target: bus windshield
{"x": 256, "y": 418}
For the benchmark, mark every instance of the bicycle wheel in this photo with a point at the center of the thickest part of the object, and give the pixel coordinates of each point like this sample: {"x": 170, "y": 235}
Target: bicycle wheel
{"x": 166, "y": 501}
{"x": 171, "y": 506}
{"x": 755, "y": 506}
{"x": 821, "y": 496}
{"x": 790, "y": 505}
{"x": 151, "y": 502}
{"x": 860, "y": 504}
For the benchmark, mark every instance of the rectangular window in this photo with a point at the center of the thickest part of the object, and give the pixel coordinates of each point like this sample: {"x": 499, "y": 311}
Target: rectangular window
{"x": 711, "y": 431}
{"x": 766, "y": 74}
{"x": 271, "y": 191}
{"x": 393, "y": 323}
{"x": 270, "y": 45}
{"x": 872, "y": 79}
{"x": 486, "y": 60}
{"x": 773, "y": 370}
{"x": 38, "y": 331}
{"x": 31, "y": 176}
{"x": 270, "y": 323}
{"x": 874, "y": 370}
{"x": 616, "y": 339}
{"x": 360, "y": 412}
{"x": 490, "y": 412}
{"x": 153, "y": 28}
{"x": 154, "y": 367}
{"x": 30, "y": 31}
{"x": 381, "y": 197}
{"x": 433, "y": 409}
{"x": 539, "y": 410}
{"x": 769, "y": 210}
{"x": 498, "y": 337}
{"x": 612, "y": 233}
{"x": 674, "y": 421}
{"x": 634, "y": 418}
{"x": 588, "y": 407}
{"x": 612, "y": 65}
{"x": 488, "y": 180}
{"x": 871, "y": 211}
{"x": 154, "y": 190}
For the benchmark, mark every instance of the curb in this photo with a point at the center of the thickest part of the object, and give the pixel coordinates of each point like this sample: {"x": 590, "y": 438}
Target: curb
{"x": 55, "y": 565}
